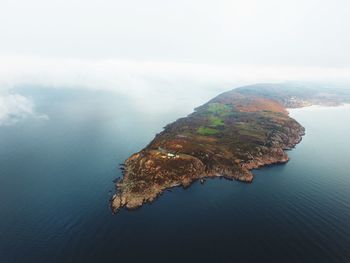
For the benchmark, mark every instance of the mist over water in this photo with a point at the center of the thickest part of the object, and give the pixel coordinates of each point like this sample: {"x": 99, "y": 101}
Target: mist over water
{"x": 84, "y": 84}
{"x": 56, "y": 179}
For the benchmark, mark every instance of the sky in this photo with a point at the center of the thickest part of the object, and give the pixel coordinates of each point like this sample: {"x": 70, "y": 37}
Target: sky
{"x": 142, "y": 48}
{"x": 250, "y": 32}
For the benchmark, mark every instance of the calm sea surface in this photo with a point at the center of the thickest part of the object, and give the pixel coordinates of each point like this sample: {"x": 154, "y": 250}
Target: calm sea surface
{"x": 56, "y": 179}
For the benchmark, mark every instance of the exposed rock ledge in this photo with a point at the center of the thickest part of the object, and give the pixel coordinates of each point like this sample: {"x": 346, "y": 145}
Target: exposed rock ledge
{"x": 228, "y": 137}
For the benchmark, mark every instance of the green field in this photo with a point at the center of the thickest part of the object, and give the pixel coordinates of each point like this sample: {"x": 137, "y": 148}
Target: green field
{"x": 206, "y": 131}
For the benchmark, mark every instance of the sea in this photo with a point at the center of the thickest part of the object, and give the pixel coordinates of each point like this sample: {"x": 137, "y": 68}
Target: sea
{"x": 57, "y": 172}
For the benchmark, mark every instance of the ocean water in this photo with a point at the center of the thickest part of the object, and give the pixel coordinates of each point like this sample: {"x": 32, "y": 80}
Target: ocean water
{"x": 56, "y": 179}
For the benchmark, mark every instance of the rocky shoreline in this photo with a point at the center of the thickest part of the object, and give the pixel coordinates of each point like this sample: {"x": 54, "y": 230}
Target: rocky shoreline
{"x": 227, "y": 137}
{"x": 130, "y": 201}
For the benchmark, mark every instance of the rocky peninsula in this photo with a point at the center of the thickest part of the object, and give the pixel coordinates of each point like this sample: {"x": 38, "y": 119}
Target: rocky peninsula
{"x": 229, "y": 136}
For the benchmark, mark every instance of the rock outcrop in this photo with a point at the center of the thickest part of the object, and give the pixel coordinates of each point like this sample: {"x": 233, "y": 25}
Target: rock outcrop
{"x": 229, "y": 136}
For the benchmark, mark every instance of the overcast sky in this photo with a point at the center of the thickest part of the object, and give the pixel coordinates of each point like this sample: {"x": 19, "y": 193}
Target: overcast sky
{"x": 166, "y": 50}
{"x": 251, "y": 32}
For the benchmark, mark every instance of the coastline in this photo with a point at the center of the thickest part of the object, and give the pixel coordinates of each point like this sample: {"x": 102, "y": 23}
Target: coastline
{"x": 317, "y": 107}
{"x": 229, "y": 136}
{"x": 276, "y": 157}
{"x": 178, "y": 158}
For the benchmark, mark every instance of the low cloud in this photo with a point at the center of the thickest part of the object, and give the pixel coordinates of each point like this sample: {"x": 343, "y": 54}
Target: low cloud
{"x": 129, "y": 76}
{"x": 14, "y": 107}
{"x": 152, "y": 85}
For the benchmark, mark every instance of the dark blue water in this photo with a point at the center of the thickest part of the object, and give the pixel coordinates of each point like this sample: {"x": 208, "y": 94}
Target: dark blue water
{"x": 56, "y": 179}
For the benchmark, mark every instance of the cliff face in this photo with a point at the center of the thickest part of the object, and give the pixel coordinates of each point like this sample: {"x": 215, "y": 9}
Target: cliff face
{"x": 228, "y": 136}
